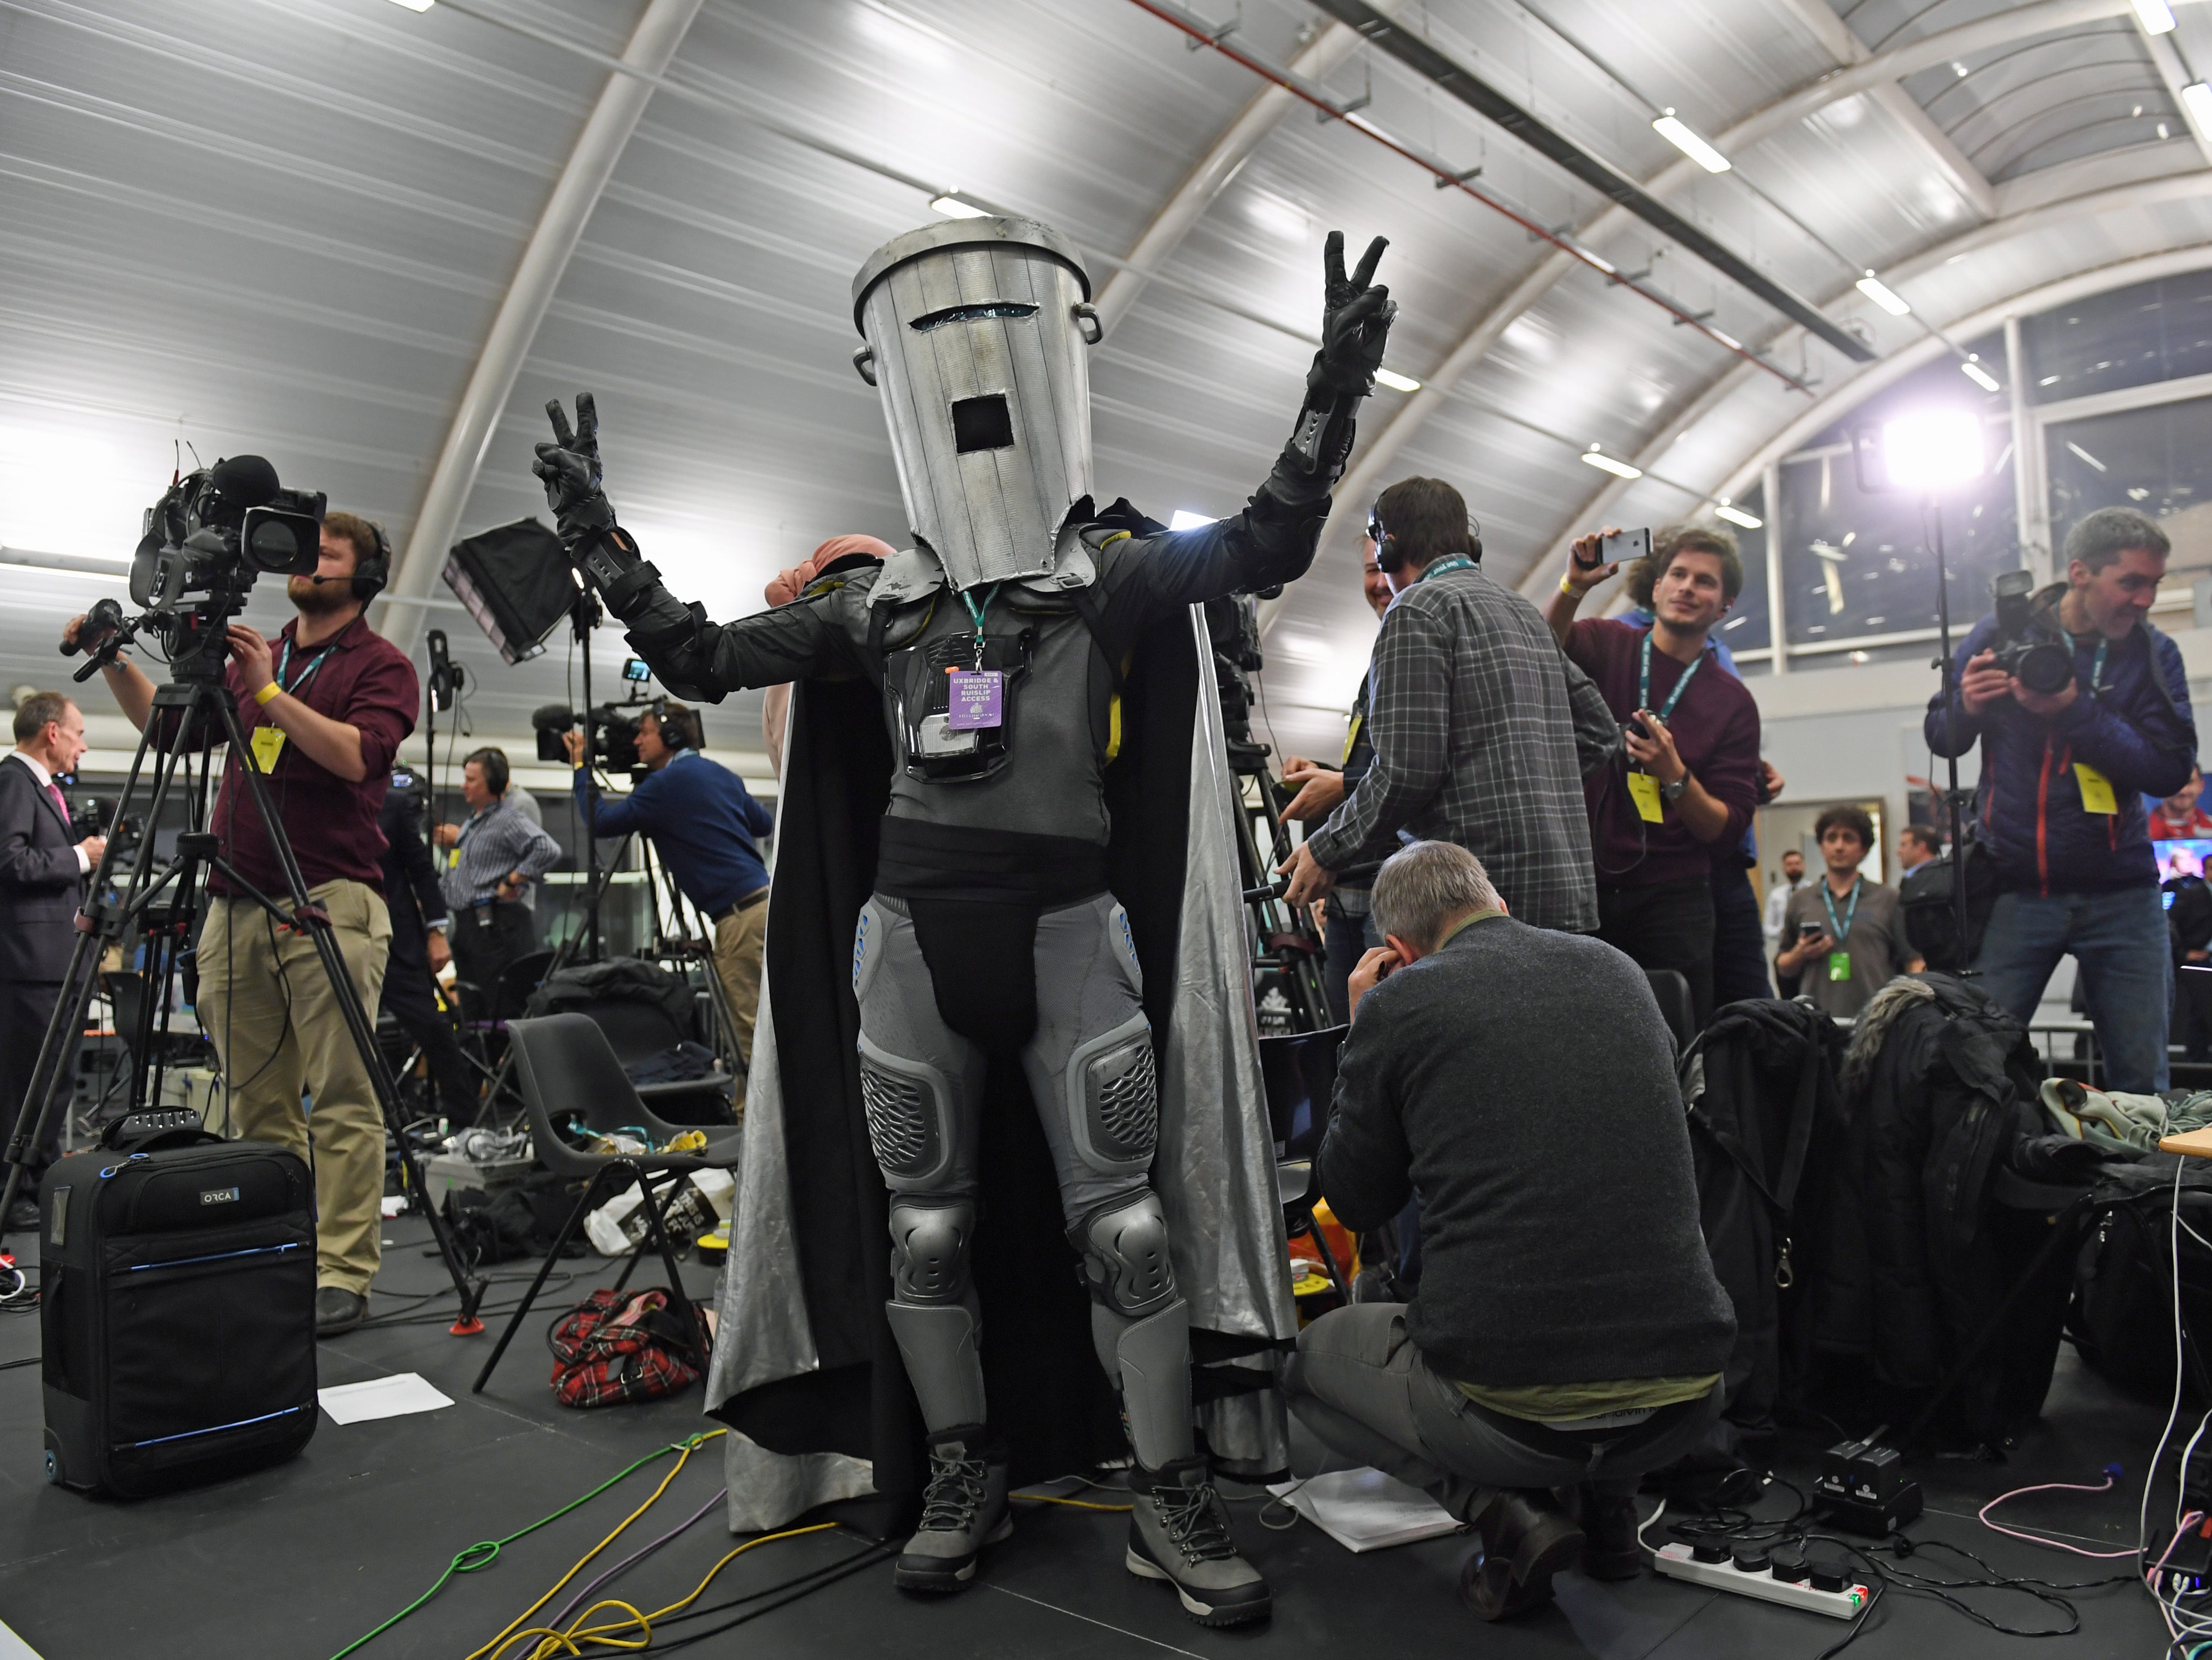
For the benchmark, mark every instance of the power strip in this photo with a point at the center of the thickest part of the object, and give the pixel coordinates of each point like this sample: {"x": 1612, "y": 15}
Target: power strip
{"x": 1675, "y": 1561}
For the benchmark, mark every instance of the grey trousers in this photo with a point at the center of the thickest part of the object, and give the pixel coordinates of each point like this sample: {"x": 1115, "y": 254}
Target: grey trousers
{"x": 1358, "y": 1382}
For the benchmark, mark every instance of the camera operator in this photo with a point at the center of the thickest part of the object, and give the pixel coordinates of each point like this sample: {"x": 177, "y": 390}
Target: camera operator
{"x": 702, "y": 820}
{"x": 2060, "y": 805}
{"x": 1693, "y": 771}
{"x": 1568, "y": 1335}
{"x": 324, "y": 709}
{"x": 1321, "y": 790}
{"x": 43, "y": 866}
{"x": 1481, "y": 728}
{"x": 497, "y": 854}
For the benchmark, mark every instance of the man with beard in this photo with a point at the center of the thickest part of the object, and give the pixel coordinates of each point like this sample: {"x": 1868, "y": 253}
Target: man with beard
{"x": 324, "y": 707}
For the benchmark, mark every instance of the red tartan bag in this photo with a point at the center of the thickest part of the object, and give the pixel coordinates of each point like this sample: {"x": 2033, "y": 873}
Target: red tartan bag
{"x": 620, "y": 1346}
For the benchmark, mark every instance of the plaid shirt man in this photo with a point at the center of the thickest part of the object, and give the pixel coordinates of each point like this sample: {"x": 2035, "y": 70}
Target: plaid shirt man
{"x": 1482, "y": 731}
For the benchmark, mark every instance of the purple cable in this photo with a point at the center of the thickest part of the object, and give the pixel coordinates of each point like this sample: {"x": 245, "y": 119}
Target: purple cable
{"x": 636, "y": 1556}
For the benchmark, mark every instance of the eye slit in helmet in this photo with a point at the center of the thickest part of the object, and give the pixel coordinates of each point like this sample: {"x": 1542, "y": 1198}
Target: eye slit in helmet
{"x": 938, "y": 320}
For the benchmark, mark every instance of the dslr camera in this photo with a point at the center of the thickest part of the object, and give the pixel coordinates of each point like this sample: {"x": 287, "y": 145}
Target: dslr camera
{"x": 2029, "y": 645}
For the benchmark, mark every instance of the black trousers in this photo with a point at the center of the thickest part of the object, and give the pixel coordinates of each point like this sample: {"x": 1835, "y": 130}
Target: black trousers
{"x": 486, "y": 939}
{"x": 26, "y": 1006}
{"x": 1665, "y": 925}
{"x": 1343, "y": 945}
{"x": 410, "y": 999}
{"x": 1739, "y": 937}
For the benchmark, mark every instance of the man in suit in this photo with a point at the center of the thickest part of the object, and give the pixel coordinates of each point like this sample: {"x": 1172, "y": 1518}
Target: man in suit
{"x": 43, "y": 867}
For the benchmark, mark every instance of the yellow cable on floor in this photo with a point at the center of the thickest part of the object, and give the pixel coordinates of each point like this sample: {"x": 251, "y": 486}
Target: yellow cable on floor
{"x": 1072, "y": 1504}
{"x": 552, "y": 1642}
{"x": 504, "y": 1639}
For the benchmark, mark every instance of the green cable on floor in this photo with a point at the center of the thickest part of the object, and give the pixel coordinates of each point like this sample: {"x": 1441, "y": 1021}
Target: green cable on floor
{"x": 484, "y": 1553}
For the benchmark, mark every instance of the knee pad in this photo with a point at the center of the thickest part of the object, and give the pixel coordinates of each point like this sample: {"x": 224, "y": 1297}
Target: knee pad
{"x": 1126, "y": 1262}
{"x": 929, "y": 1249}
{"x": 909, "y": 1104}
{"x": 1113, "y": 1099}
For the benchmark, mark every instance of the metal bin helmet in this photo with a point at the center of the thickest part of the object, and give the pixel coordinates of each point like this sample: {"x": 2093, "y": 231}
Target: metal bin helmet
{"x": 975, "y": 330}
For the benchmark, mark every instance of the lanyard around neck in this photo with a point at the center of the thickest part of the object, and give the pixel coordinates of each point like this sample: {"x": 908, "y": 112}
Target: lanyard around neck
{"x": 976, "y": 610}
{"x": 1457, "y": 561}
{"x": 1644, "y": 680}
{"x": 1841, "y": 931}
{"x": 307, "y": 673}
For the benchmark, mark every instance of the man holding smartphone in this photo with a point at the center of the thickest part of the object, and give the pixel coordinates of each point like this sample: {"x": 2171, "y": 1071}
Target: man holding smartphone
{"x": 1845, "y": 934}
{"x": 1690, "y": 779}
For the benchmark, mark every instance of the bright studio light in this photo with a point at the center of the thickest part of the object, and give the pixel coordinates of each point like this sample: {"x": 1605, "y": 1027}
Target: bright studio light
{"x": 1933, "y": 449}
{"x": 1396, "y": 381}
{"x": 1678, "y": 134}
{"x": 1883, "y": 296}
{"x": 1606, "y": 464}
{"x": 953, "y": 208}
{"x": 2155, "y": 16}
{"x": 1186, "y": 520}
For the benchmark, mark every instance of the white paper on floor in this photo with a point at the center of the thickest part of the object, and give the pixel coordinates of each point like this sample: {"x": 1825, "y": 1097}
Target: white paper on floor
{"x": 385, "y": 1397}
{"x": 1364, "y": 1509}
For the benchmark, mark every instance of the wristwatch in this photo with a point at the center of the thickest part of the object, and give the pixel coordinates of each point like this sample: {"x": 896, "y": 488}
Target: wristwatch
{"x": 1674, "y": 791}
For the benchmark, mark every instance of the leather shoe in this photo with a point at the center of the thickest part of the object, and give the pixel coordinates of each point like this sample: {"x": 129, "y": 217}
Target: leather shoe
{"x": 1610, "y": 1550}
{"x": 1525, "y": 1541}
{"x": 338, "y": 1310}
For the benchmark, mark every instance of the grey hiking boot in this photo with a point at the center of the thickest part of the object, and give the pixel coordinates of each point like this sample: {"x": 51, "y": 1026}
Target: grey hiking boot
{"x": 1179, "y": 1533}
{"x": 963, "y": 1510}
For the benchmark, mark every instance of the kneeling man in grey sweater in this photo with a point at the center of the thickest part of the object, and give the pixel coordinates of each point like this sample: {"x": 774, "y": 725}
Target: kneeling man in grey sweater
{"x": 1569, "y": 1334}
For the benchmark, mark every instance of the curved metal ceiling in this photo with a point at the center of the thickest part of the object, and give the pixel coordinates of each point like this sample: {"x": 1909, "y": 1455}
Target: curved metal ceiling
{"x": 293, "y": 226}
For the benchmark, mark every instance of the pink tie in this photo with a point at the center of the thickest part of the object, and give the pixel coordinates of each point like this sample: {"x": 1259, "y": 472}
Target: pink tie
{"x": 55, "y": 790}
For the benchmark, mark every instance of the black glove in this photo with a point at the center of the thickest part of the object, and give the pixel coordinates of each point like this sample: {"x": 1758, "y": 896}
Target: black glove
{"x": 1355, "y": 325}
{"x": 570, "y": 467}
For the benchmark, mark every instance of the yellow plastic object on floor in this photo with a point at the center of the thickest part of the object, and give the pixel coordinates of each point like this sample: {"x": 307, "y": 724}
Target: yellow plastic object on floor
{"x": 714, "y": 1244}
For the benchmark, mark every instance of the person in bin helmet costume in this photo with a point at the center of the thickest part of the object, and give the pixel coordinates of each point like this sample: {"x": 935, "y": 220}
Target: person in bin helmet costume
{"x": 999, "y": 642}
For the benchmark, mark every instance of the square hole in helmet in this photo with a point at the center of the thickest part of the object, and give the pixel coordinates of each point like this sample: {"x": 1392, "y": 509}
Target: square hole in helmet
{"x": 982, "y": 423}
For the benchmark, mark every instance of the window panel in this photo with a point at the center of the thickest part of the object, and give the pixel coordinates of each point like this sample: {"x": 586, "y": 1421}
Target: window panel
{"x": 2131, "y": 336}
{"x": 1747, "y": 625}
{"x": 2157, "y": 459}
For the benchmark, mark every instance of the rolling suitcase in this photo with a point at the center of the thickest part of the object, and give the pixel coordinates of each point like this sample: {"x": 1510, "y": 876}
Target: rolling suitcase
{"x": 176, "y": 1309}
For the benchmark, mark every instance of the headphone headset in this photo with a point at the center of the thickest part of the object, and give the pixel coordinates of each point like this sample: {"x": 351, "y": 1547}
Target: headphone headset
{"x": 1390, "y": 561}
{"x": 370, "y": 574}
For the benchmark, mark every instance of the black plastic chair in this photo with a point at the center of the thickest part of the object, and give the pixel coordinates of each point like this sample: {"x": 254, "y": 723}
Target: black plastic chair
{"x": 638, "y": 1032}
{"x": 1298, "y": 1073}
{"x": 568, "y": 1070}
{"x": 1672, "y": 989}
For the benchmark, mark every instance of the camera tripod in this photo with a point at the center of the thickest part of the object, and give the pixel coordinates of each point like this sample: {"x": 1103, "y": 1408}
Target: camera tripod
{"x": 191, "y": 713}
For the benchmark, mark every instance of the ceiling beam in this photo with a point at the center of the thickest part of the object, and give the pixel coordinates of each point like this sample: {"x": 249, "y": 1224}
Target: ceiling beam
{"x": 1381, "y": 452}
{"x": 1228, "y": 153}
{"x": 614, "y": 118}
{"x": 2165, "y": 59}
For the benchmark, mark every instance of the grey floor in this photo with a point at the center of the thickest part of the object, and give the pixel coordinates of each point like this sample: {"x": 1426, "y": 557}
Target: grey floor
{"x": 298, "y": 1561}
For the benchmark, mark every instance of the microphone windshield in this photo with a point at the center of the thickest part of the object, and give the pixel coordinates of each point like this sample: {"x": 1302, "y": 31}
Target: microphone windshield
{"x": 245, "y": 481}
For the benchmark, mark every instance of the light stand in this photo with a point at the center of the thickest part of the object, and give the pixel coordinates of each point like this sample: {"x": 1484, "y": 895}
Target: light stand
{"x": 583, "y": 617}
{"x": 446, "y": 678}
{"x": 1948, "y": 670}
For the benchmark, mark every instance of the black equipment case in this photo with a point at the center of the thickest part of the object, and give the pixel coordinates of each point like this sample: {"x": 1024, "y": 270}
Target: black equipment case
{"x": 176, "y": 1309}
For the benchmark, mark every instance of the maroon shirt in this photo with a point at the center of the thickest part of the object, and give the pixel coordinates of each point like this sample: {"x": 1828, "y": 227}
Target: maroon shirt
{"x": 363, "y": 680}
{"x": 1715, "y": 732}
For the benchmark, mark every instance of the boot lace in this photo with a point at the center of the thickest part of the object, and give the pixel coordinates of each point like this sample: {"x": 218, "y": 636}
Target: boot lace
{"x": 1195, "y": 1523}
{"x": 957, "y": 1488}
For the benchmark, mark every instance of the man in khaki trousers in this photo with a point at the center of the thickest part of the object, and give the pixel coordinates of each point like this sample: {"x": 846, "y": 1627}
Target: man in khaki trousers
{"x": 325, "y": 708}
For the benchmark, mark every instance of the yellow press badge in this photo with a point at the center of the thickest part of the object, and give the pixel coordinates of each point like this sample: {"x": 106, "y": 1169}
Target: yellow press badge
{"x": 268, "y": 745}
{"x": 2096, "y": 789}
{"x": 1643, "y": 790}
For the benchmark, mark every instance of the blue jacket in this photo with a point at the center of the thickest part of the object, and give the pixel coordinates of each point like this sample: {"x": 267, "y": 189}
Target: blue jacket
{"x": 702, "y": 820}
{"x": 2136, "y": 730}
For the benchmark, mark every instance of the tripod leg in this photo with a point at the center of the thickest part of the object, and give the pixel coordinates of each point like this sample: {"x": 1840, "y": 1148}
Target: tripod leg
{"x": 544, "y": 1269}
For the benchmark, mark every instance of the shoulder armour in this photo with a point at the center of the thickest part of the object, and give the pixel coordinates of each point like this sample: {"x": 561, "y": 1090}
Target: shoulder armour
{"x": 911, "y": 575}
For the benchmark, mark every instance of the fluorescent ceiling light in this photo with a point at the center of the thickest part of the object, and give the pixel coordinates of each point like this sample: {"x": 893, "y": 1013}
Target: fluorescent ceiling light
{"x": 425, "y": 5}
{"x": 2085, "y": 456}
{"x": 1606, "y": 464}
{"x": 1738, "y": 516}
{"x": 2197, "y": 98}
{"x": 1397, "y": 382}
{"x": 1932, "y": 449}
{"x": 2155, "y": 16}
{"x": 1973, "y": 369}
{"x": 1186, "y": 520}
{"x": 1680, "y": 135}
{"x": 1876, "y": 290}
{"x": 953, "y": 208}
